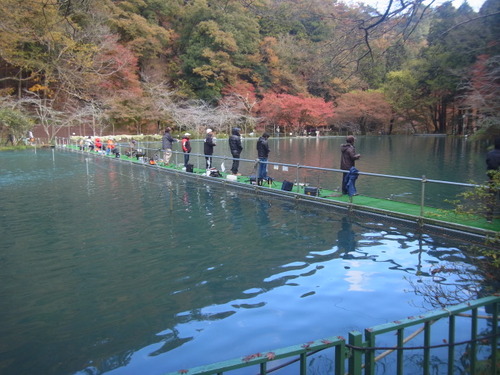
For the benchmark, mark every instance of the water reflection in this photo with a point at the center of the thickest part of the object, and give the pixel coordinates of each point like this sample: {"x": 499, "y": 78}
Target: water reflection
{"x": 346, "y": 238}
{"x": 123, "y": 269}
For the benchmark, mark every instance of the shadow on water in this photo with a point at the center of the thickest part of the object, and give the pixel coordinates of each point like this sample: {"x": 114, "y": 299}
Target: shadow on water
{"x": 113, "y": 267}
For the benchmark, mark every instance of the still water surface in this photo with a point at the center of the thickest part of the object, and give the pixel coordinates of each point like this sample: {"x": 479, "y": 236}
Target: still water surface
{"x": 114, "y": 268}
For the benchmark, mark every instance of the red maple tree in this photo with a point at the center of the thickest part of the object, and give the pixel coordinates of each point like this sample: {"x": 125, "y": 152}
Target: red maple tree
{"x": 294, "y": 113}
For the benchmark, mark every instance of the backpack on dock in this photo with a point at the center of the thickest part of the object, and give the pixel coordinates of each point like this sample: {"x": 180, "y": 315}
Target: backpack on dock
{"x": 287, "y": 185}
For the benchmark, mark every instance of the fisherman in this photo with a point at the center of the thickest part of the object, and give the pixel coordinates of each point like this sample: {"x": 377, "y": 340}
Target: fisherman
{"x": 98, "y": 144}
{"x": 166, "y": 145}
{"x": 89, "y": 144}
{"x": 236, "y": 148}
{"x": 208, "y": 148}
{"x": 186, "y": 148}
{"x": 110, "y": 146}
{"x": 347, "y": 160}
{"x": 263, "y": 155}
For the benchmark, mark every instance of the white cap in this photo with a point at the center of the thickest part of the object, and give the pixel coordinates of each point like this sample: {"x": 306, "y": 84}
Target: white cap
{"x": 209, "y": 131}
{"x": 187, "y": 134}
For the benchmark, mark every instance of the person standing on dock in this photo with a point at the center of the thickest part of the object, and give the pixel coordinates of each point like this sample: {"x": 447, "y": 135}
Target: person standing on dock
{"x": 166, "y": 145}
{"x": 98, "y": 144}
{"x": 208, "y": 148}
{"x": 236, "y": 148}
{"x": 89, "y": 144}
{"x": 186, "y": 148}
{"x": 110, "y": 146}
{"x": 348, "y": 159}
{"x": 263, "y": 155}
{"x": 493, "y": 167}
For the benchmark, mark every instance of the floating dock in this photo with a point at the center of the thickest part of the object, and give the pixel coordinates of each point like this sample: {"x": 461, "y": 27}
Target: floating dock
{"x": 423, "y": 216}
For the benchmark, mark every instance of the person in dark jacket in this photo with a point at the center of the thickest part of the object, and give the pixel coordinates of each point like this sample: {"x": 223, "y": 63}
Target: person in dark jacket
{"x": 492, "y": 166}
{"x": 10, "y": 138}
{"x": 236, "y": 148}
{"x": 493, "y": 157}
{"x": 186, "y": 148}
{"x": 263, "y": 155}
{"x": 208, "y": 148}
{"x": 348, "y": 159}
{"x": 166, "y": 145}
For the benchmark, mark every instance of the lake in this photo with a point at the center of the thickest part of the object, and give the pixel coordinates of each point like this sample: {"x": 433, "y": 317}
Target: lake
{"x": 114, "y": 268}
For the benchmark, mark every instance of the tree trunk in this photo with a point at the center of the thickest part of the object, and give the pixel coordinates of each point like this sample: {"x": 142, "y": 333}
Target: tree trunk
{"x": 442, "y": 117}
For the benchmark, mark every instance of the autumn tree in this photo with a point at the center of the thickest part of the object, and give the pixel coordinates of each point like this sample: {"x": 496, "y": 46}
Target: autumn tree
{"x": 294, "y": 113}
{"x": 481, "y": 93}
{"x": 241, "y": 99}
{"x": 362, "y": 112}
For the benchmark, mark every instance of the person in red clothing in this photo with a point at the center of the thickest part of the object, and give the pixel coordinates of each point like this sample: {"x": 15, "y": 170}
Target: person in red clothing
{"x": 98, "y": 144}
{"x": 186, "y": 148}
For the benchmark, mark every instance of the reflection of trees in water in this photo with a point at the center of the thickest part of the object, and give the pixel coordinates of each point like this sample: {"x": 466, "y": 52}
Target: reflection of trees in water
{"x": 459, "y": 276}
{"x": 448, "y": 284}
{"x": 444, "y": 275}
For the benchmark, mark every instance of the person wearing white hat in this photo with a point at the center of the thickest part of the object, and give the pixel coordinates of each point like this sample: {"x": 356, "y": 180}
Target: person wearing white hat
{"x": 186, "y": 148}
{"x": 208, "y": 148}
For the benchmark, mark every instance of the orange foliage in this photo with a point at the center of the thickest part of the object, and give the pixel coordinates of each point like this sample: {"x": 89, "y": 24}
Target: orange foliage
{"x": 297, "y": 112}
{"x": 241, "y": 96}
{"x": 363, "y": 111}
{"x": 117, "y": 67}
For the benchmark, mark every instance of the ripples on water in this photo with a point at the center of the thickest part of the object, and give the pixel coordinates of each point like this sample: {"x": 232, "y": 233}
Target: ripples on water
{"x": 112, "y": 267}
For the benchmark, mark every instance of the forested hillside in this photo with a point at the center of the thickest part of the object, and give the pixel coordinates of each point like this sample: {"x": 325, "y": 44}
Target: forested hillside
{"x": 282, "y": 65}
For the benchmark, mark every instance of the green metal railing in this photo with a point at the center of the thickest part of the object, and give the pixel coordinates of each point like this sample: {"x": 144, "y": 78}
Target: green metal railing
{"x": 360, "y": 355}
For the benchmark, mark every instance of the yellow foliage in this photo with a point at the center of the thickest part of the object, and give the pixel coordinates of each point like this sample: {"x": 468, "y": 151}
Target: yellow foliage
{"x": 37, "y": 88}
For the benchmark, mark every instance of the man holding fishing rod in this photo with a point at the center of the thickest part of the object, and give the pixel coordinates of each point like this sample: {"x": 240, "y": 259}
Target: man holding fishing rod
{"x": 347, "y": 160}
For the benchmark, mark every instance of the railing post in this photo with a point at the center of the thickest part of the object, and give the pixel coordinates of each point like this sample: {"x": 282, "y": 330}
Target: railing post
{"x": 422, "y": 198}
{"x": 400, "y": 354}
{"x": 427, "y": 350}
{"x": 451, "y": 341}
{"x": 356, "y": 358}
{"x": 340, "y": 356}
{"x": 263, "y": 368}
{"x": 303, "y": 364}
{"x": 473, "y": 345}
{"x": 494, "y": 331}
{"x": 370, "y": 354}
{"x": 298, "y": 186}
